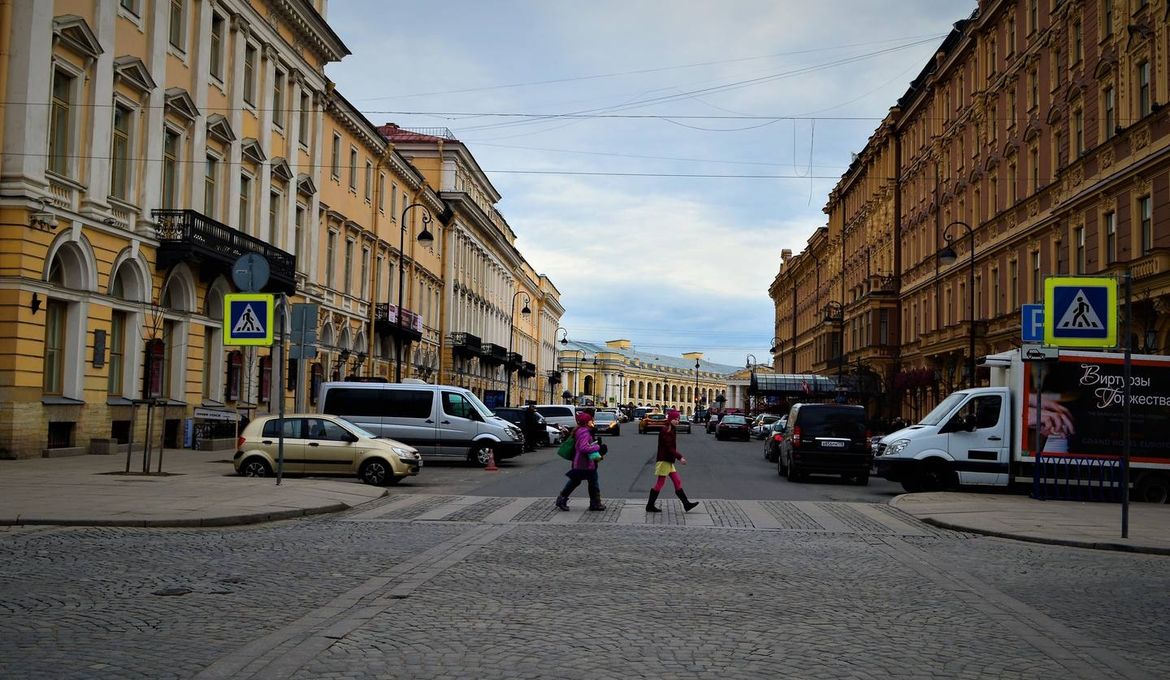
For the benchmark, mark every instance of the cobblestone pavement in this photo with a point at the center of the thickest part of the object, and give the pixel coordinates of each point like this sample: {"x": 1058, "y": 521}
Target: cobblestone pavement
{"x": 486, "y": 587}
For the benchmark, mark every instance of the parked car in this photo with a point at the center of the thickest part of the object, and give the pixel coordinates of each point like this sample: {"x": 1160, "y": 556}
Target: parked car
{"x": 606, "y": 423}
{"x": 516, "y": 417}
{"x": 440, "y": 421}
{"x": 652, "y": 421}
{"x": 643, "y": 411}
{"x": 558, "y": 414}
{"x": 320, "y": 444}
{"x": 762, "y": 425}
{"x": 712, "y": 423}
{"x": 684, "y": 424}
{"x": 772, "y": 442}
{"x": 826, "y": 439}
{"x": 733, "y": 426}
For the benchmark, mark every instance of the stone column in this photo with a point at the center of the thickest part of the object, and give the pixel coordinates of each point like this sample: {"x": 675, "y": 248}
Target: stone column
{"x": 101, "y": 122}
{"x": 26, "y": 122}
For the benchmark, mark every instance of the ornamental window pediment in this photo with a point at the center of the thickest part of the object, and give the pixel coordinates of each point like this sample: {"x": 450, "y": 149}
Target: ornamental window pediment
{"x": 220, "y": 129}
{"x": 280, "y": 169}
{"x": 180, "y": 103}
{"x": 251, "y": 150}
{"x": 129, "y": 69}
{"x": 305, "y": 185}
{"x": 71, "y": 32}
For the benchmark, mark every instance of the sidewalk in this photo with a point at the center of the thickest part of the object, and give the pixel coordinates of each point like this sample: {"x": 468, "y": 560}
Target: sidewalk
{"x": 1084, "y": 525}
{"x": 200, "y": 488}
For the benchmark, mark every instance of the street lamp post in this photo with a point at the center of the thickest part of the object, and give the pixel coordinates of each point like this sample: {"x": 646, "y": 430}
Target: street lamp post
{"x": 751, "y": 364}
{"x": 777, "y": 347}
{"x": 835, "y": 314}
{"x": 425, "y": 238}
{"x": 524, "y": 311}
{"x": 696, "y": 395}
{"x": 621, "y": 387}
{"x": 947, "y": 256}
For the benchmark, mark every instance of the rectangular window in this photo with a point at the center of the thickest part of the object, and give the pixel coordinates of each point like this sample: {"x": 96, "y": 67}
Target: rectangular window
{"x": 210, "y": 196}
{"x": 1013, "y": 108}
{"x": 365, "y": 272}
{"x": 245, "y": 203}
{"x": 1033, "y": 16}
{"x": 1033, "y": 88}
{"x": 993, "y": 122}
{"x": 1109, "y": 100}
{"x": 1078, "y": 43}
{"x": 303, "y": 133}
{"x": 1011, "y": 36}
{"x": 61, "y": 123}
{"x": 217, "y": 24}
{"x": 995, "y": 294}
{"x": 353, "y": 168}
{"x": 266, "y": 379}
{"x": 208, "y": 360}
{"x": 274, "y": 219}
{"x": 278, "y": 99}
{"x": 1079, "y": 255}
{"x": 1013, "y": 181}
{"x": 393, "y": 202}
{"x": 176, "y": 24}
{"x": 347, "y": 284}
{"x": 299, "y": 236}
{"x": 1013, "y": 286}
{"x": 978, "y": 296}
{"x": 1144, "y": 101}
{"x": 120, "y": 154}
{"x": 335, "y": 157}
{"x": 1079, "y": 132}
{"x": 1035, "y": 168}
{"x": 250, "y": 74}
{"x": 130, "y": 6}
{"x": 1110, "y": 237}
{"x": 369, "y": 179}
{"x": 170, "y": 174}
{"x": 1037, "y": 282}
{"x": 1146, "y": 215}
{"x": 53, "y": 373}
{"x": 117, "y": 345}
{"x": 1107, "y": 17}
{"x": 330, "y": 257}
{"x": 381, "y": 192}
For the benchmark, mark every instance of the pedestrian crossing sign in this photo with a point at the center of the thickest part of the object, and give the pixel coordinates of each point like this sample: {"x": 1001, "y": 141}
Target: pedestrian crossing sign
{"x": 1080, "y": 311}
{"x": 249, "y": 319}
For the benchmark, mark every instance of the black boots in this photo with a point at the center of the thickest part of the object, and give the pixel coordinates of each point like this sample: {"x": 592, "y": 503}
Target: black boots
{"x": 650, "y": 507}
{"x": 595, "y": 503}
{"x": 682, "y": 496}
{"x": 563, "y": 503}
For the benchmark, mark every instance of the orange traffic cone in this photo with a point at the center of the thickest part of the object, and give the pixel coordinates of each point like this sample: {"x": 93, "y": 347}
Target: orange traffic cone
{"x": 491, "y": 464}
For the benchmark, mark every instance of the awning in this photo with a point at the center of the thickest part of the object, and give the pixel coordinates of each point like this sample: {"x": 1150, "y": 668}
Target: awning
{"x": 793, "y": 384}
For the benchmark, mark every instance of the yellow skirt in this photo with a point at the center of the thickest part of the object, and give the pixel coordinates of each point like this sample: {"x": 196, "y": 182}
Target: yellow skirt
{"x": 663, "y": 469}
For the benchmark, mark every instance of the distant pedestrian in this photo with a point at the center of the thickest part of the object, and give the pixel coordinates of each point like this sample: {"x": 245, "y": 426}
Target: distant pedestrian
{"x": 586, "y": 454}
{"x": 664, "y": 465}
{"x": 532, "y": 426}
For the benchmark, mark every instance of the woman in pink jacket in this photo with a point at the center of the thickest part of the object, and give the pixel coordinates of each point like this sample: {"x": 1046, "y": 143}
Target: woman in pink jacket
{"x": 586, "y": 454}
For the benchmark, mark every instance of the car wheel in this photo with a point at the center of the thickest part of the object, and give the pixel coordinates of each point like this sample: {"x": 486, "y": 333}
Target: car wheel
{"x": 780, "y": 466}
{"x": 1153, "y": 489}
{"x": 935, "y": 477}
{"x": 375, "y": 472}
{"x": 480, "y": 454}
{"x": 255, "y": 467}
{"x": 793, "y": 473}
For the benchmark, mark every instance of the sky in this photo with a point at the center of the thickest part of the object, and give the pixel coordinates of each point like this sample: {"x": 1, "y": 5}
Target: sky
{"x": 654, "y": 156}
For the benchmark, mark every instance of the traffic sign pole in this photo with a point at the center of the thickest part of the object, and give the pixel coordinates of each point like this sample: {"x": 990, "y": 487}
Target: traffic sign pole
{"x": 282, "y": 305}
{"x": 1127, "y": 366}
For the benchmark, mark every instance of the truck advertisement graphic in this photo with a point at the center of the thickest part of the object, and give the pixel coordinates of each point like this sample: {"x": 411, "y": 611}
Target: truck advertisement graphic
{"x": 1082, "y": 408}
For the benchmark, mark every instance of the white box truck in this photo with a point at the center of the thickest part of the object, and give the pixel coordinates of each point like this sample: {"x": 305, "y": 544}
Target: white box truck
{"x": 986, "y": 435}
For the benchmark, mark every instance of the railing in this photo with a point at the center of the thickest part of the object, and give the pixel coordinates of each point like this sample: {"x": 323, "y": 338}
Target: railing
{"x": 527, "y": 369}
{"x": 1074, "y": 478}
{"x": 515, "y": 359}
{"x": 494, "y": 352}
{"x": 471, "y": 344}
{"x": 187, "y": 233}
{"x": 62, "y": 194}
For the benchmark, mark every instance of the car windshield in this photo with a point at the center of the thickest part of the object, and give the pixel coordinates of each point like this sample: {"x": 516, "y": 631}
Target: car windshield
{"x": 484, "y": 411}
{"x": 603, "y": 416}
{"x": 734, "y": 420}
{"x": 657, "y": 416}
{"x": 935, "y": 417}
{"x": 358, "y": 430}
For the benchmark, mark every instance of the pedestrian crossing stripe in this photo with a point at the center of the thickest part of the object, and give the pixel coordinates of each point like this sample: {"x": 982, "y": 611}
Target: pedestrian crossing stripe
{"x": 1080, "y": 311}
{"x": 249, "y": 319}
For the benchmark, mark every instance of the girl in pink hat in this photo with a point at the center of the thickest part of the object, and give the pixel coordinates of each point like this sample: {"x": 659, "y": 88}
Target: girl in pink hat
{"x": 664, "y": 465}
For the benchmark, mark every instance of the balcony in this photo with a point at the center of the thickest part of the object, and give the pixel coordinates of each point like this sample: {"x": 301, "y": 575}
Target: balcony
{"x": 386, "y": 322}
{"x": 465, "y": 344}
{"x": 527, "y": 369}
{"x": 493, "y": 354}
{"x": 554, "y": 377}
{"x": 514, "y": 360}
{"x": 190, "y": 236}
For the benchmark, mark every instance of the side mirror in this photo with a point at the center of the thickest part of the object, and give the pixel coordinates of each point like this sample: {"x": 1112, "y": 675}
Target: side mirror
{"x": 350, "y": 437}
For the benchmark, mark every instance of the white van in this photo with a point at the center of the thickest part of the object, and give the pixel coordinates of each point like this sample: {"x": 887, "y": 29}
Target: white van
{"x": 558, "y": 414}
{"x": 441, "y": 421}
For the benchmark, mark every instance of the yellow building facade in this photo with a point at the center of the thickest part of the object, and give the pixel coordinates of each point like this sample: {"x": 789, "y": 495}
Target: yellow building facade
{"x": 147, "y": 145}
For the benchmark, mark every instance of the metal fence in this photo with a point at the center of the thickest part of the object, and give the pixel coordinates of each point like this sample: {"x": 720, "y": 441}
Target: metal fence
{"x": 1071, "y": 478}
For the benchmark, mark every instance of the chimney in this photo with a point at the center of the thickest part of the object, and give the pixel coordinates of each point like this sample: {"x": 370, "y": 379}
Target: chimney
{"x": 786, "y": 255}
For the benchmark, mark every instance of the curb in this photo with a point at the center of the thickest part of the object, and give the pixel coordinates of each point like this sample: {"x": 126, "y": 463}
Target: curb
{"x": 1065, "y": 542}
{"x": 199, "y": 522}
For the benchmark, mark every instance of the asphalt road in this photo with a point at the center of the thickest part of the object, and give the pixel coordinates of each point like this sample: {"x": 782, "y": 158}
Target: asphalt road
{"x": 732, "y": 470}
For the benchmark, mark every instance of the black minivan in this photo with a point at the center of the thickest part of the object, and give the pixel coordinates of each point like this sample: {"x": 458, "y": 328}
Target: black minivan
{"x": 826, "y": 439}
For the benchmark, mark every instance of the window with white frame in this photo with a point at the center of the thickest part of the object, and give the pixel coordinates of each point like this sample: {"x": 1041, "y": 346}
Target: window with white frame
{"x": 275, "y": 199}
{"x": 278, "y": 99}
{"x": 130, "y": 6}
{"x": 299, "y": 236}
{"x": 217, "y": 45}
{"x": 250, "y": 74}
{"x": 61, "y": 123}
{"x": 211, "y": 187}
{"x": 330, "y": 258}
{"x": 172, "y": 142}
{"x": 353, "y": 168}
{"x": 178, "y": 24}
{"x": 1109, "y": 104}
{"x": 369, "y": 180}
{"x": 381, "y": 192}
{"x": 365, "y": 274}
{"x": 1146, "y": 216}
{"x": 347, "y": 270}
{"x": 120, "y": 153}
{"x": 306, "y": 109}
{"x": 1079, "y": 250}
{"x": 245, "y": 203}
{"x": 1144, "y": 101}
{"x": 335, "y": 158}
{"x": 1110, "y": 220}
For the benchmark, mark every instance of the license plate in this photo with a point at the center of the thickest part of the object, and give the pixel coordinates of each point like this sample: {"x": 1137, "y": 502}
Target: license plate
{"x": 833, "y": 444}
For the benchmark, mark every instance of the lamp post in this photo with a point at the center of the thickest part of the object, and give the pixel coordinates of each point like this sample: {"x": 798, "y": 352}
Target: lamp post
{"x": 751, "y": 364}
{"x": 777, "y": 348}
{"x": 621, "y": 387}
{"x": 835, "y": 314}
{"x": 425, "y": 239}
{"x": 947, "y": 256}
{"x": 524, "y": 311}
{"x": 696, "y": 386}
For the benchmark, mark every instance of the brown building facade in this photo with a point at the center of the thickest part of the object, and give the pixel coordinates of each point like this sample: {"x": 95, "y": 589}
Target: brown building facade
{"x": 1038, "y": 135}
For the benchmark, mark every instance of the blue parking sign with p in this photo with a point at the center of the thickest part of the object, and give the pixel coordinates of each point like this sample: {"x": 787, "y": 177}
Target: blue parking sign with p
{"x": 249, "y": 319}
{"x": 1032, "y": 323}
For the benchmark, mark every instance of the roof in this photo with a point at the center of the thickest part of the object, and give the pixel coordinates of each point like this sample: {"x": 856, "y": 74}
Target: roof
{"x": 652, "y": 359}
{"x": 394, "y": 133}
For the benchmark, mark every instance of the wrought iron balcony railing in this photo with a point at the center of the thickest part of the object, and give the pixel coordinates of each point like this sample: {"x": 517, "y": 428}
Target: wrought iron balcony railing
{"x": 191, "y": 236}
